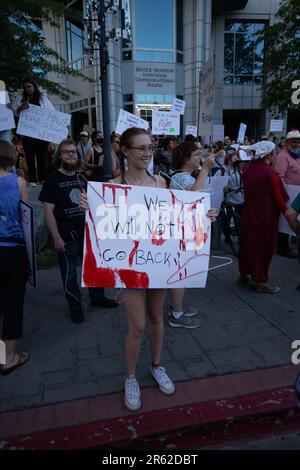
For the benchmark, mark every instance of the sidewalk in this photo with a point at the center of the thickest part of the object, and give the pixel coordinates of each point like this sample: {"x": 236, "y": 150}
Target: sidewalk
{"x": 241, "y": 331}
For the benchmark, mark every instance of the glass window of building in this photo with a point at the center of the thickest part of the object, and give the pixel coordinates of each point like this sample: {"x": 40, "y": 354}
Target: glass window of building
{"x": 150, "y": 56}
{"x": 243, "y": 53}
{"x": 139, "y": 55}
{"x": 75, "y": 41}
{"x": 154, "y": 24}
{"x": 159, "y": 56}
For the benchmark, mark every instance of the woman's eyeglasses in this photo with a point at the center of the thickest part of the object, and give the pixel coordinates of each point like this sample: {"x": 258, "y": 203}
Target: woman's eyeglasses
{"x": 144, "y": 148}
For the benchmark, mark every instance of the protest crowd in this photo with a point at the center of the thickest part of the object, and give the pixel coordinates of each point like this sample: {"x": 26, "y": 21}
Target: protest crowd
{"x": 258, "y": 176}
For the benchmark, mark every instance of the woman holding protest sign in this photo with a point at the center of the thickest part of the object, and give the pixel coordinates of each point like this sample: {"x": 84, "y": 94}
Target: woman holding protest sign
{"x": 35, "y": 149}
{"x": 136, "y": 148}
{"x": 13, "y": 258}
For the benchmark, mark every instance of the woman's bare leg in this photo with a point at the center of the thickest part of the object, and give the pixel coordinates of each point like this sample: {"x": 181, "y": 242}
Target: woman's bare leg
{"x": 134, "y": 303}
{"x": 155, "y": 303}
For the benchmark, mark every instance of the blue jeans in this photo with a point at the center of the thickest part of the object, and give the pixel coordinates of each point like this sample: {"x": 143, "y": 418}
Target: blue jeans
{"x": 68, "y": 270}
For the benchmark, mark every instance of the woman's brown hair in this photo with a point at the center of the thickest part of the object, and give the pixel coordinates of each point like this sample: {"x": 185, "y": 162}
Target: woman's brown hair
{"x": 182, "y": 153}
{"x": 126, "y": 141}
{"x": 37, "y": 95}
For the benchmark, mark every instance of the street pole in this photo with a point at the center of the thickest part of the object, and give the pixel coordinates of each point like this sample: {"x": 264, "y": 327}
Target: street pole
{"x": 104, "y": 90}
{"x": 199, "y": 106}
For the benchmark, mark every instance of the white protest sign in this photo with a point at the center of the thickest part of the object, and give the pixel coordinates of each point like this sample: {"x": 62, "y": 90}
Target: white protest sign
{"x": 216, "y": 185}
{"x": 218, "y": 132}
{"x": 4, "y": 97}
{"x": 191, "y": 130}
{"x": 127, "y": 120}
{"x": 142, "y": 237}
{"x": 242, "y": 132}
{"x": 245, "y": 153}
{"x": 283, "y": 226}
{"x": 27, "y": 223}
{"x": 276, "y": 125}
{"x": 207, "y": 98}
{"x": 165, "y": 123}
{"x": 43, "y": 123}
{"x": 6, "y": 118}
{"x": 178, "y": 106}
{"x": 244, "y": 156}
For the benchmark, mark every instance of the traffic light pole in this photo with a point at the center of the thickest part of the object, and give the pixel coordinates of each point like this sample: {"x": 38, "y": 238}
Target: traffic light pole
{"x": 104, "y": 90}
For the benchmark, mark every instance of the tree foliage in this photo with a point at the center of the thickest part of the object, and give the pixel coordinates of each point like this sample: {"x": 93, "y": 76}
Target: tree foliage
{"x": 282, "y": 56}
{"x": 23, "y": 48}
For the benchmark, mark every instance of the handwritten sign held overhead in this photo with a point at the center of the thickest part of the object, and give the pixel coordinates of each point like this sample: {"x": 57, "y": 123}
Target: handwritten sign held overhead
{"x": 178, "y": 106}
{"x": 165, "y": 123}
{"x": 191, "y": 130}
{"x": 43, "y": 123}
{"x": 218, "y": 132}
{"x": 276, "y": 125}
{"x": 127, "y": 120}
{"x": 206, "y": 116}
{"x": 138, "y": 237}
{"x": 242, "y": 132}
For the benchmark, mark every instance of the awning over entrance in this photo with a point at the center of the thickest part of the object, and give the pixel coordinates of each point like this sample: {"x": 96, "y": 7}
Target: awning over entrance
{"x": 227, "y": 5}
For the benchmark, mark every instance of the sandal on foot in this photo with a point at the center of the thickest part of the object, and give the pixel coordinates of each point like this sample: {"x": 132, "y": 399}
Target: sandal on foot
{"x": 23, "y": 357}
{"x": 266, "y": 289}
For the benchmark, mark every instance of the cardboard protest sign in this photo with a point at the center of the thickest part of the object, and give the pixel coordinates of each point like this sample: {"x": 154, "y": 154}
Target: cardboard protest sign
{"x": 207, "y": 89}
{"x": 27, "y": 223}
{"x": 142, "y": 237}
{"x": 276, "y": 125}
{"x": 283, "y": 226}
{"x": 165, "y": 123}
{"x": 215, "y": 185}
{"x": 43, "y": 123}
{"x": 127, "y": 120}
{"x": 6, "y": 115}
{"x": 218, "y": 132}
{"x": 6, "y": 118}
{"x": 191, "y": 130}
{"x": 242, "y": 132}
{"x": 4, "y": 96}
{"x": 178, "y": 106}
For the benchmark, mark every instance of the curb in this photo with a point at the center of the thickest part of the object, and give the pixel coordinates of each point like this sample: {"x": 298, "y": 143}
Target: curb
{"x": 104, "y": 421}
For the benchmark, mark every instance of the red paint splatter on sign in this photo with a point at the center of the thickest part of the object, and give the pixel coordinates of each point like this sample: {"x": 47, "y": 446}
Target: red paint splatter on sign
{"x": 133, "y": 252}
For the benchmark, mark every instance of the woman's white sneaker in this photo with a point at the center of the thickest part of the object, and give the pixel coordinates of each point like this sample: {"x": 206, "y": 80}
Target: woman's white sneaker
{"x": 164, "y": 382}
{"x": 132, "y": 394}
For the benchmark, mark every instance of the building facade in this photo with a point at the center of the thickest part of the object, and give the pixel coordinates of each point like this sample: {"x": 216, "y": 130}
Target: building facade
{"x": 164, "y": 47}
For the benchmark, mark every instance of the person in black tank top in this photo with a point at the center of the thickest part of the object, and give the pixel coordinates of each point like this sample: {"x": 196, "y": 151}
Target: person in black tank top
{"x": 95, "y": 158}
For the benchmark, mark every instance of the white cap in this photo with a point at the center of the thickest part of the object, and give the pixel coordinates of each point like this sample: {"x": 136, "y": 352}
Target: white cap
{"x": 262, "y": 148}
